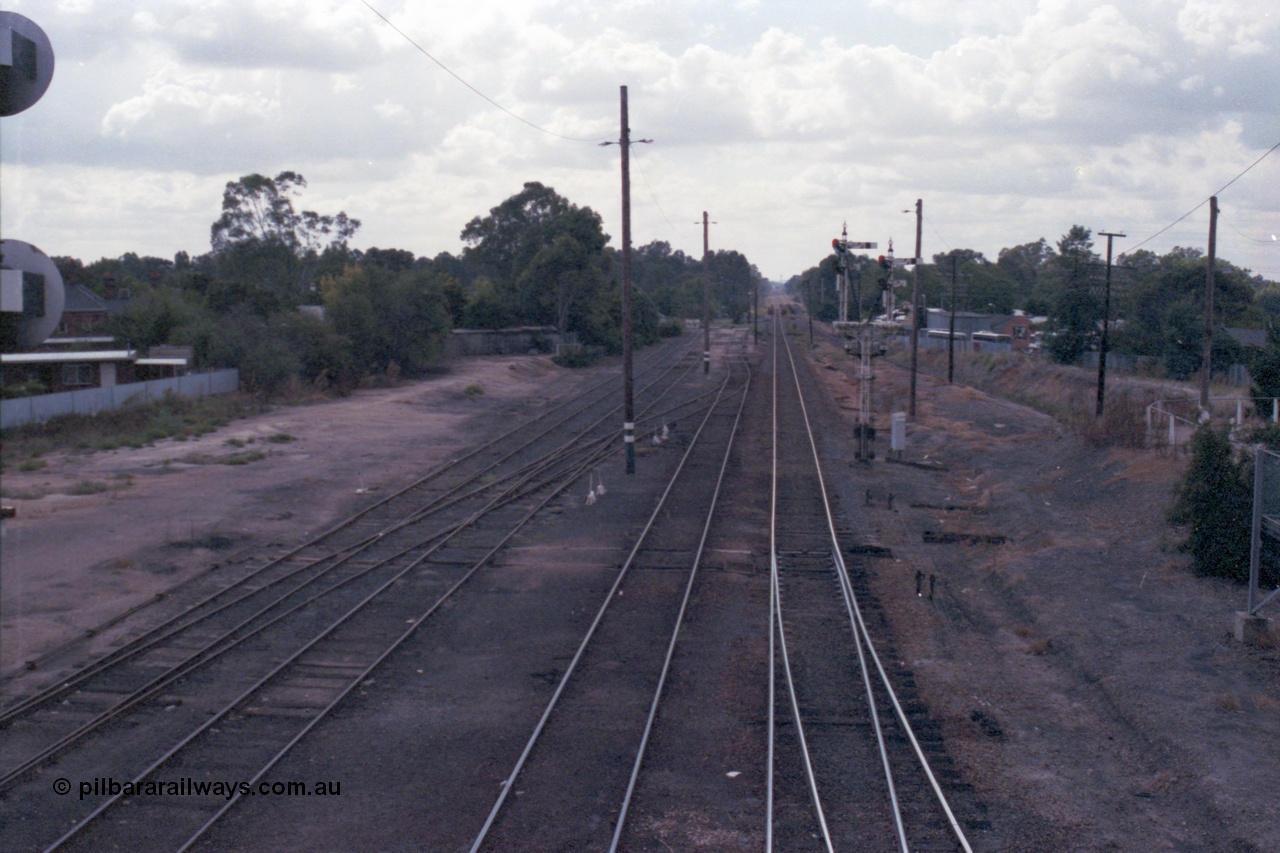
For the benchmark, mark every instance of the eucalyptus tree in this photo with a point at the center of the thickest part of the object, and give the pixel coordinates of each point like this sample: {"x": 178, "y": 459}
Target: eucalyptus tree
{"x": 544, "y": 256}
{"x": 262, "y": 237}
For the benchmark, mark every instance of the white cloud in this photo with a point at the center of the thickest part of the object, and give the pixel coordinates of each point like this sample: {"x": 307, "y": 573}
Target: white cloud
{"x": 1014, "y": 117}
{"x": 173, "y": 96}
{"x": 1239, "y": 28}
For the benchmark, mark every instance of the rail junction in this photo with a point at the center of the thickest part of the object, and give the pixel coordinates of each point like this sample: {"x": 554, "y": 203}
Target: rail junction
{"x": 489, "y": 660}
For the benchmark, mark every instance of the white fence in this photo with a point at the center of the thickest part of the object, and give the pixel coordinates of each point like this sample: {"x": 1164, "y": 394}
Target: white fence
{"x": 90, "y": 401}
{"x": 1171, "y": 423}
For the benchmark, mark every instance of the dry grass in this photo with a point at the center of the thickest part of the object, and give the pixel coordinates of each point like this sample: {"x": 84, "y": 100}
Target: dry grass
{"x": 1270, "y": 639}
{"x": 1263, "y": 702}
{"x": 1227, "y": 703}
{"x": 1068, "y": 394}
{"x": 1040, "y": 646}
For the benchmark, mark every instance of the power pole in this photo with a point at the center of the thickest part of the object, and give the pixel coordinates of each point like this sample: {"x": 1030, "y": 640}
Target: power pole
{"x": 706, "y": 296}
{"x": 842, "y": 276}
{"x": 951, "y": 327}
{"x": 1207, "y": 353}
{"x": 915, "y": 307}
{"x": 628, "y": 388}
{"x": 755, "y": 311}
{"x": 1106, "y": 322}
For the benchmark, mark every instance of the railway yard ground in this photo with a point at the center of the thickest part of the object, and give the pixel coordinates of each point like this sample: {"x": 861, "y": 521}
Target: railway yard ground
{"x": 1084, "y": 681}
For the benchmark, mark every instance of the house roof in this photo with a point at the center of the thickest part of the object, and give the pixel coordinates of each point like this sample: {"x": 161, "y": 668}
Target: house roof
{"x": 81, "y": 298}
{"x": 1249, "y": 337}
{"x": 68, "y": 357}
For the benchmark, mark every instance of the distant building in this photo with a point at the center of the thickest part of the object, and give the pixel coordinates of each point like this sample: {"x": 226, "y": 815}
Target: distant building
{"x": 69, "y": 371}
{"x": 1256, "y": 338}
{"x": 989, "y": 329}
{"x": 84, "y": 314}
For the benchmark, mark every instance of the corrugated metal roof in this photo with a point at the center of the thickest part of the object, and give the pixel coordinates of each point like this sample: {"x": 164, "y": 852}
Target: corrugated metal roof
{"x": 56, "y": 357}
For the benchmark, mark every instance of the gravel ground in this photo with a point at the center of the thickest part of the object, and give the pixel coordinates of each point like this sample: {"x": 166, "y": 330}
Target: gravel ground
{"x": 1086, "y": 681}
{"x": 167, "y": 511}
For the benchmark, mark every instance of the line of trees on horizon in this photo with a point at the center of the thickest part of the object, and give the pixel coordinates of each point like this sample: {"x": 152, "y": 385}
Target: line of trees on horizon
{"x": 1157, "y": 301}
{"x": 536, "y": 259}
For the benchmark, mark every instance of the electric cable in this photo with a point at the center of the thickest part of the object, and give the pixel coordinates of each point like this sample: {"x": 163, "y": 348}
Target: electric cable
{"x": 652, "y": 194}
{"x": 451, "y": 73}
{"x": 1266, "y": 241}
{"x": 1203, "y": 203}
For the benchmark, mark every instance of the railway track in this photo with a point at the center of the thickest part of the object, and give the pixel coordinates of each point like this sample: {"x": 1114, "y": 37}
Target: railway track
{"x": 768, "y": 666}
{"x": 839, "y": 763}
{"x": 619, "y": 670}
{"x": 233, "y": 682}
{"x": 846, "y": 770}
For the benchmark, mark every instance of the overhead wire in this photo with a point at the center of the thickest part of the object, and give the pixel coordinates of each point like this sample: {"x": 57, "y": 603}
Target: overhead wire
{"x": 644, "y": 175}
{"x": 1267, "y": 153}
{"x": 455, "y": 76}
{"x": 1264, "y": 240}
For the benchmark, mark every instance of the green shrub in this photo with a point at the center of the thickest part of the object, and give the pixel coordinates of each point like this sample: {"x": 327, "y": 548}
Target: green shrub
{"x": 1214, "y": 502}
{"x": 671, "y": 329}
{"x": 579, "y": 357}
{"x": 243, "y": 458}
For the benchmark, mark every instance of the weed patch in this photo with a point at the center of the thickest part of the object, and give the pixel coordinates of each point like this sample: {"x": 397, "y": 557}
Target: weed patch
{"x": 133, "y": 426}
{"x": 243, "y": 458}
{"x": 88, "y": 487}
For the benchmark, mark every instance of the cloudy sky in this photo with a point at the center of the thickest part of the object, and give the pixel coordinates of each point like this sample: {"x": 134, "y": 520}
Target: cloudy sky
{"x": 1011, "y": 119}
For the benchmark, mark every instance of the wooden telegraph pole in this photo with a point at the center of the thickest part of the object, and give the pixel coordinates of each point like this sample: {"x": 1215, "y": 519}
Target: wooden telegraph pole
{"x": 1106, "y": 321}
{"x": 1206, "y": 358}
{"x": 706, "y": 296}
{"x": 915, "y": 307}
{"x": 628, "y": 395}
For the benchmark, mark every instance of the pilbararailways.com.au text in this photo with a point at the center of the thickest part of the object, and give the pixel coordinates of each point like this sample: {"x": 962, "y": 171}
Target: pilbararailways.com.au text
{"x": 188, "y": 787}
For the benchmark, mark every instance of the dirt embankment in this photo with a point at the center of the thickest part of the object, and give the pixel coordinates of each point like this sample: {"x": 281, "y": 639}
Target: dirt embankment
{"x": 1086, "y": 679}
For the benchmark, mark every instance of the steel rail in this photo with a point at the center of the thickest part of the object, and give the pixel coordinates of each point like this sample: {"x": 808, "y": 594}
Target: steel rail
{"x": 679, "y": 622}
{"x": 654, "y": 360}
{"x": 509, "y": 783}
{"x": 566, "y": 478}
{"x": 224, "y": 643}
{"x": 861, "y": 636}
{"x": 408, "y": 632}
{"x": 773, "y": 600}
{"x": 777, "y": 620}
{"x": 180, "y": 622}
{"x": 849, "y": 605}
{"x": 270, "y": 676}
{"x": 352, "y": 683}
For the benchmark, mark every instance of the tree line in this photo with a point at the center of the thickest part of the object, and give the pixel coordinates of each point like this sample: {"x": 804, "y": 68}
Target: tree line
{"x": 1157, "y": 301}
{"x": 535, "y": 259}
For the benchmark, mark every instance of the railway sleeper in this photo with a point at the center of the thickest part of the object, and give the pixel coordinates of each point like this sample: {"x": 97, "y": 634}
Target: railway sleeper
{"x": 289, "y": 711}
{"x": 949, "y": 538}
